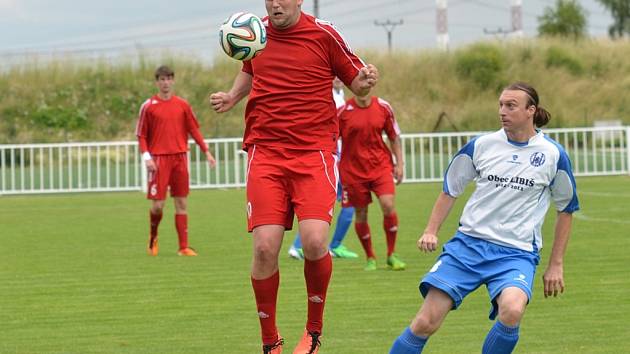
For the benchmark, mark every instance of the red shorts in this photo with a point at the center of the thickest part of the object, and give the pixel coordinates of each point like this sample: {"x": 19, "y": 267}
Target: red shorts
{"x": 281, "y": 182}
{"x": 358, "y": 194}
{"x": 172, "y": 171}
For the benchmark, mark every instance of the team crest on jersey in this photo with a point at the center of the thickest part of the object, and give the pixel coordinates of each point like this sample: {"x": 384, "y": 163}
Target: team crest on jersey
{"x": 537, "y": 159}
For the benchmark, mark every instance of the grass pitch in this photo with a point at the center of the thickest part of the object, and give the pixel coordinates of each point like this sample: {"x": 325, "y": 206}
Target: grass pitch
{"x": 75, "y": 278}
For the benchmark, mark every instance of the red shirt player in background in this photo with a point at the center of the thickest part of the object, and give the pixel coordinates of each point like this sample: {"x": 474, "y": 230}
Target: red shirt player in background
{"x": 366, "y": 166}
{"x": 163, "y": 127}
{"x": 291, "y": 133}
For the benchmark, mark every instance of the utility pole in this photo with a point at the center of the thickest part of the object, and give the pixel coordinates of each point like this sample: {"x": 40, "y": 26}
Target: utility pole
{"x": 389, "y": 27}
{"x": 316, "y": 8}
{"x": 442, "y": 24}
{"x": 517, "y": 18}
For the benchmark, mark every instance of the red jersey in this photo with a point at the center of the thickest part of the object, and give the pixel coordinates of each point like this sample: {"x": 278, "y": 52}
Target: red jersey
{"x": 164, "y": 125}
{"x": 290, "y": 104}
{"x": 364, "y": 154}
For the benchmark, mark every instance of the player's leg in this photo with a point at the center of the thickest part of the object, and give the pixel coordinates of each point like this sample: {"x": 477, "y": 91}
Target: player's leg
{"x": 265, "y": 278}
{"x": 157, "y": 186}
{"x": 344, "y": 220}
{"x": 180, "y": 188}
{"x": 362, "y": 229}
{"x": 503, "y": 336}
{"x": 317, "y": 273}
{"x": 385, "y": 190}
{"x": 269, "y": 214}
{"x": 181, "y": 225}
{"x": 312, "y": 183}
{"x": 428, "y": 320}
{"x": 155, "y": 216}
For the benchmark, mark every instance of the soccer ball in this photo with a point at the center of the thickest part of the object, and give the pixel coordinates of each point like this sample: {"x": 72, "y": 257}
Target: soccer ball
{"x": 243, "y": 36}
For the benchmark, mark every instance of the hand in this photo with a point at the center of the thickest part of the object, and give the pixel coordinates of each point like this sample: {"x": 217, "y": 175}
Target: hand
{"x": 368, "y": 76}
{"x": 151, "y": 166}
{"x": 553, "y": 281}
{"x": 221, "y": 102}
{"x": 210, "y": 159}
{"x": 398, "y": 174}
{"x": 428, "y": 242}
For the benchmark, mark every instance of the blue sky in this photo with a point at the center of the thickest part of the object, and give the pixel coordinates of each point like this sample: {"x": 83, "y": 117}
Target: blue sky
{"x": 115, "y": 27}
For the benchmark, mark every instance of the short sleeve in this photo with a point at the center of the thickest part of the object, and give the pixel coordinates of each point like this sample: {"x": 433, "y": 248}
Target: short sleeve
{"x": 460, "y": 171}
{"x": 563, "y": 188}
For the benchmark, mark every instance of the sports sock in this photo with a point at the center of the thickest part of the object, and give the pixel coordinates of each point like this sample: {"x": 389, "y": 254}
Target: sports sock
{"x": 408, "y": 343}
{"x": 297, "y": 243}
{"x": 317, "y": 275}
{"x": 501, "y": 339}
{"x": 266, "y": 293}
{"x": 181, "y": 224}
{"x": 344, "y": 220}
{"x": 154, "y": 223}
{"x": 390, "y": 225}
{"x": 363, "y": 232}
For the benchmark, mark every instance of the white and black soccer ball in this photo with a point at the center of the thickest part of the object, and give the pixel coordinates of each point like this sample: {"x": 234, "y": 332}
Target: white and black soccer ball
{"x": 243, "y": 36}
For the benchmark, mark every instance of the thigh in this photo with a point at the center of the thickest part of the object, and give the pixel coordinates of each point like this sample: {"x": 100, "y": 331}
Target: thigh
{"x": 312, "y": 180}
{"x": 515, "y": 271}
{"x": 384, "y": 184}
{"x": 180, "y": 178}
{"x": 267, "y": 195}
{"x": 158, "y": 181}
{"x": 357, "y": 195}
{"x": 453, "y": 273}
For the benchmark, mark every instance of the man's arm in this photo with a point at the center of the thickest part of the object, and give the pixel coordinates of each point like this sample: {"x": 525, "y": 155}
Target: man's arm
{"x": 442, "y": 207}
{"x": 224, "y": 101}
{"x": 553, "y": 278}
{"x": 396, "y": 147}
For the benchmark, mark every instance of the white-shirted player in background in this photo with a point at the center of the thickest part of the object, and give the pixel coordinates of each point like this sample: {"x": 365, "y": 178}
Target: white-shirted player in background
{"x": 518, "y": 170}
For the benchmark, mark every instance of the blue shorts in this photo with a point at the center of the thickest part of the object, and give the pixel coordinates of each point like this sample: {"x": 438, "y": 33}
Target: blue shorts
{"x": 467, "y": 262}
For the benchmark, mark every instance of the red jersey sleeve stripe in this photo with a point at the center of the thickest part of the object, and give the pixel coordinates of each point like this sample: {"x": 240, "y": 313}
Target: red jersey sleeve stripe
{"x": 390, "y": 110}
{"x": 341, "y": 42}
{"x": 141, "y": 116}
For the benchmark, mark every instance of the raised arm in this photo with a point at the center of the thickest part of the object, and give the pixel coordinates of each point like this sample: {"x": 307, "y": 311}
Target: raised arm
{"x": 553, "y": 278}
{"x": 224, "y": 101}
{"x": 442, "y": 207}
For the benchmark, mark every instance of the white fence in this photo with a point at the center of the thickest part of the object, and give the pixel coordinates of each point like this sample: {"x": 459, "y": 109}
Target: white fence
{"x": 117, "y": 166}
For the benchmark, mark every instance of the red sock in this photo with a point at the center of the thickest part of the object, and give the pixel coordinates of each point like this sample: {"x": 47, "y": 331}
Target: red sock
{"x": 181, "y": 224}
{"x": 317, "y": 275}
{"x": 363, "y": 232}
{"x": 154, "y": 223}
{"x": 390, "y": 224}
{"x": 266, "y": 292}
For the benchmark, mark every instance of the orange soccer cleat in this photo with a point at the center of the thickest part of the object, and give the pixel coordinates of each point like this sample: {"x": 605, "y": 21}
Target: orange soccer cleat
{"x": 309, "y": 344}
{"x": 152, "y": 250}
{"x": 189, "y": 252}
{"x": 275, "y": 348}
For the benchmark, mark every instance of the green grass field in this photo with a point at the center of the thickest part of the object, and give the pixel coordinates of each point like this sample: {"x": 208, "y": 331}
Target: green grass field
{"x": 74, "y": 278}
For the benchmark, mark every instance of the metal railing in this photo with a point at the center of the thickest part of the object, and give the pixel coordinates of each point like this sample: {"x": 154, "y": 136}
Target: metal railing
{"x": 117, "y": 166}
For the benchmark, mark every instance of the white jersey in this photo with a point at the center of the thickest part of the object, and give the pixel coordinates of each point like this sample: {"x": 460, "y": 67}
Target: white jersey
{"x": 338, "y": 96}
{"x": 514, "y": 185}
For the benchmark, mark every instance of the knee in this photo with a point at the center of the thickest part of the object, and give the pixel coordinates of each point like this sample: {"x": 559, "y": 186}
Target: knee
{"x": 424, "y": 325}
{"x": 388, "y": 208}
{"x": 511, "y": 314}
{"x": 265, "y": 254}
{"x": 361, "y": 214}
{"x": 156, "y": 208}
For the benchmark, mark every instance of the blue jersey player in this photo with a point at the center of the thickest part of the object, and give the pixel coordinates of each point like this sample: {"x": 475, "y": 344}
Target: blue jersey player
{"x": 518, "y": 171}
